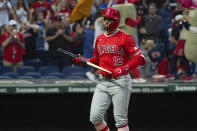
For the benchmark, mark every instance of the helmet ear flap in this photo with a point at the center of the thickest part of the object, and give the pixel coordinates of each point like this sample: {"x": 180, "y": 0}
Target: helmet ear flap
{"x": 113, "y": 13}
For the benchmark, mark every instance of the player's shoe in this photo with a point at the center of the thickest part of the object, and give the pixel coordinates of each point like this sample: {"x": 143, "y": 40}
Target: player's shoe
{"x": 139, "y": 80}
{"x": 188, "y": 79}
{"x": 170, "y": 77}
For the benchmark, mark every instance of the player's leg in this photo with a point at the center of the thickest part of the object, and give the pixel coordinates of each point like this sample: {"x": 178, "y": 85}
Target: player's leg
{"x": 120, "y": 99}
{"x": 102, "y": 126}
{"x": 123, "y": 128}
{"x": 100, "y": 103}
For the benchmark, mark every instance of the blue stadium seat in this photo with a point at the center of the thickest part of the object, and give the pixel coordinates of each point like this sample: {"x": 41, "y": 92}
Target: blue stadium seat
{"x": 1, "y": 62}
{"x": 44, "y": 70}
{"x": 81, "y": 74}
{"x": 74, "y": 69}
{"x": 57, "y": 74}
{"x": 5, "y": 77}
{"x": 11, "y": 74}
{"x": 25, "y": 77}
{"x": 24, "y": 69}
{"x": 33, "y": 74}
{"x": 33, "y": 62}
{"x": 6, "y": 69}
{"x": 74, "y": 77}
{"x": 49, "y": 77}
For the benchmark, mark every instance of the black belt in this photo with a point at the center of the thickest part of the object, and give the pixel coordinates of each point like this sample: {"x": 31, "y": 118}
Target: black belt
{"x": 109, "y": 77}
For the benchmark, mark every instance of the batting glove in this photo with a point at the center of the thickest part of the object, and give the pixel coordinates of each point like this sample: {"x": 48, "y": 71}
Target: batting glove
{"x": 119, "y": 71}
{"x": 80, "y": 60}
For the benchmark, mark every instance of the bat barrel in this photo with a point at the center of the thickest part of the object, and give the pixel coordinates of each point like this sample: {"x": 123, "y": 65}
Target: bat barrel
{"x": 64, "y": 52}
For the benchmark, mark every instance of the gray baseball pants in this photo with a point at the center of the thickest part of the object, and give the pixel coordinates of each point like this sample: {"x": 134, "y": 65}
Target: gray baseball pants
{"x": 115, "y": 91}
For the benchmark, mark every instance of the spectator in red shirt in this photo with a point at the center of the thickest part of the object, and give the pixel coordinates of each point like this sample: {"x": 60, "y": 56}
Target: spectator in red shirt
{"x": 62, "y": 7}
{"x": 13, "y": 46}
{"x": 42, "y": 6}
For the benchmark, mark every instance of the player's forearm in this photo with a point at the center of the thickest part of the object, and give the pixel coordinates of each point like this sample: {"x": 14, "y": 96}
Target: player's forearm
{"x": 94, "y": 60}
{"x": 136, "y": 61}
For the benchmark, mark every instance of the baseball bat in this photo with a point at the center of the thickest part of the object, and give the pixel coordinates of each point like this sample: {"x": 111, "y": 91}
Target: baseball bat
{"x": 67, "y": 53}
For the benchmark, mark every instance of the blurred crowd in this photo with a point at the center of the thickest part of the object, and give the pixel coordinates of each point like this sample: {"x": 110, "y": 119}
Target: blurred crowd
{"x": 34, "y": 29}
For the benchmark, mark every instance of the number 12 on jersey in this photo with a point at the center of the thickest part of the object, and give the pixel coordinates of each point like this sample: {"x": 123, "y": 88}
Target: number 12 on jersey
{"x": 118, "y": 60}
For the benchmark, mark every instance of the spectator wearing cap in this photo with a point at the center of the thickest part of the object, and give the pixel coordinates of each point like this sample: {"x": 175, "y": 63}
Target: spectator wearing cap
{"x": 58, "y": 37}
{"x": 13, "y": 46}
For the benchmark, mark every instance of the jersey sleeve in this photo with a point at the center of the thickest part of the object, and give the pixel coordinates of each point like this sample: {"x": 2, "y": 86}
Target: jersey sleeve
{"x": 131, "y": 46}
{"x": 132, "y": 49}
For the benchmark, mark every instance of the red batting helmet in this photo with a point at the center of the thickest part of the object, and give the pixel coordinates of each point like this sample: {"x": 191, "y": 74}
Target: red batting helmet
{"x": 114, "y": 14}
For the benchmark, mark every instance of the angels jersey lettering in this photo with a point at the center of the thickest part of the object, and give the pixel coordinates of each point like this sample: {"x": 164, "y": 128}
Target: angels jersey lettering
{"x": 114, "y": 50}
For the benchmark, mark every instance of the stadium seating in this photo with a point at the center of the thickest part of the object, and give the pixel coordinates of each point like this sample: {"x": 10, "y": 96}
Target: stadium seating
{"x": 44, "y": 70}
{"x": 33, "y": 62}
{"x": 5, "y": 77}
{"x": 25, "y": 77}
{"x": 82, "y": 74}
{"x": 49, "y": 77}
{"x": 6, "y": 69}
{"x": 24, "y": 69}
{"x": 75, "y": 72}
{"x": 11, "y": 74}
{"x": 57, "y": 74}
{"x": 74, "y": 69}
{"x": 33, "y": 74}
{"x": 74, "y": 77}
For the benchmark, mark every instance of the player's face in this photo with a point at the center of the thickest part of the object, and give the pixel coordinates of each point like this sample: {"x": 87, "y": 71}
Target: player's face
{"x": 106, "y": 22}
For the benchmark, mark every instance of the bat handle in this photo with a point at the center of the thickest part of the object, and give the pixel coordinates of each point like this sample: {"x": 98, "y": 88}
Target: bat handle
{"x": 83, "y": 60}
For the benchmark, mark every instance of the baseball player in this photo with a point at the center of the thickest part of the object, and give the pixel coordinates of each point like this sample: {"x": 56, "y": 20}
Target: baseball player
{"x": 117, "y": 52}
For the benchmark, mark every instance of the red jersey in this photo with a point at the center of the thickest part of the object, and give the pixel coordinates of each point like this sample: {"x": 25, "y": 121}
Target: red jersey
{"x": 43, "y": 7}
{"x": 114, "y": 50}
{"x": 179, "y": 50}
{"x": 66, "y": 12}
{"x": 12, "y": 52}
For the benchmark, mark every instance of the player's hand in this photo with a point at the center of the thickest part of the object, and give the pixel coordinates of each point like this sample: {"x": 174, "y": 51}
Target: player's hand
{"x": 79, "y": 59}
{"x": 119, "y": 71}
